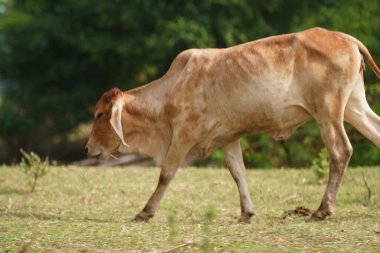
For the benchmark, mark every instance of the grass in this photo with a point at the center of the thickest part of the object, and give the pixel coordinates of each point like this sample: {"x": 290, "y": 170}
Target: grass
{"x": 78, "y": 209}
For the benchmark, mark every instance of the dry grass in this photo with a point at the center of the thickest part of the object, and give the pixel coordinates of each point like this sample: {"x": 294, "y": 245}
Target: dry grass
{"x": 89, "y": 210}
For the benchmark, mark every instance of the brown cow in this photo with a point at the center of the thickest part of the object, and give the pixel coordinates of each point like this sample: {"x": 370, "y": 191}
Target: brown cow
{"x": 209, "y": 98}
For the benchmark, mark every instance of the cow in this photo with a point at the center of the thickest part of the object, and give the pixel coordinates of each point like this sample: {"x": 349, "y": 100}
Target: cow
{"x": 209, "y": 98}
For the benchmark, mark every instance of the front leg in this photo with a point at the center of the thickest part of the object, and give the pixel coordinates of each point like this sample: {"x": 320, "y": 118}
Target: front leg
{"x": 151, "y": 206}
{"x": 176, "y": 154}
{"x": 235, "y": 163}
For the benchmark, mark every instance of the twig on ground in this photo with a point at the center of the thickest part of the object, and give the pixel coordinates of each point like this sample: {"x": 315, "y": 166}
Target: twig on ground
{"x": 177, "y": 247}
{"x": 369, "y": 196}
{"x": 261, "y": 196}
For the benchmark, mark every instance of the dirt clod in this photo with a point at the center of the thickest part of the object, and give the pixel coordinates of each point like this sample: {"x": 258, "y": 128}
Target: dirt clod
{"x": 299, "y": 211}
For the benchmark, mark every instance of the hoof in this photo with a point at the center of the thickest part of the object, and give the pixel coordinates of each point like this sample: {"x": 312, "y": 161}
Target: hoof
{"x": 142, "y": 217}
{"x": 320, "y": 215}
{"x": 245, "y": 218}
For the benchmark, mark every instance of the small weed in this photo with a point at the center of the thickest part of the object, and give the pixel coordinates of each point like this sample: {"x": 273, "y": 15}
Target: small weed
{"x": 173, "y": 227}
{"x": 210, "y": 217}
{"x": 33, "y": 168}
{"x": 320, "y": 164}
{"x": 211, "y": 214}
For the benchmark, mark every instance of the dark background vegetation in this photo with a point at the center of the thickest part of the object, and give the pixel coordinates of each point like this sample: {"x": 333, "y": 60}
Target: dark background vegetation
{"x": 57, "y": 58}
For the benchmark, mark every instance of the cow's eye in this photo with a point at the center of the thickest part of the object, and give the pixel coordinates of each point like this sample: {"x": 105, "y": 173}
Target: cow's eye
{"x": 99, "y": 115}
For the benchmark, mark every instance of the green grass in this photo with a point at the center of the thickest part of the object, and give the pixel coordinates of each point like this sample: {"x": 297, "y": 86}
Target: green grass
{"x": 89, "y": 210}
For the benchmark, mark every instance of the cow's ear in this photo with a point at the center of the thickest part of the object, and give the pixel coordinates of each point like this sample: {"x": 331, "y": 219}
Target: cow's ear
{"x": 117, "y": 109}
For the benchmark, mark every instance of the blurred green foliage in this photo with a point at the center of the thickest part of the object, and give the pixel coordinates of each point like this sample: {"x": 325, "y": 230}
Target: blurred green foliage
{"x": 320, "y": 164}
{"x": 58, "y": 57}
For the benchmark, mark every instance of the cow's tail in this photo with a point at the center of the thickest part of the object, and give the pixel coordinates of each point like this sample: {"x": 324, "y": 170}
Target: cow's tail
{"x": 364, "y": 51}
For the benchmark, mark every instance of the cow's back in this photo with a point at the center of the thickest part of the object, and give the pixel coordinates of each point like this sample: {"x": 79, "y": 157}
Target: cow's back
{"x": 270, "y": 85}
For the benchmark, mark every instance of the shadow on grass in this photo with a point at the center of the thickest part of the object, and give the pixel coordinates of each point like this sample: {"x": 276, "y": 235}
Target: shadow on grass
{"x": 50, "y": 217}
{"x": 18, "y": 191}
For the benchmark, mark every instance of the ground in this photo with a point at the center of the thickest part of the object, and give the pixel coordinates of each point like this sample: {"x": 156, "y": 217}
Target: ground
{"x": 77, "y": 209}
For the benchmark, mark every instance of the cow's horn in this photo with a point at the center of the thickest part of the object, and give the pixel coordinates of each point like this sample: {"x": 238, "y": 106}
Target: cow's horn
{"x": 115, "y": 120}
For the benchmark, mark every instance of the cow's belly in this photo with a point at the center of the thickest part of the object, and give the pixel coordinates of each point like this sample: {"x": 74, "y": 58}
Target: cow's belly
{"x": 219, "y": 131}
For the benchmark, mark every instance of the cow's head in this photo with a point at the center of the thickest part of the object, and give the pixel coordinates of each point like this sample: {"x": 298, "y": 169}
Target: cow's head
{"x": 107, "y": 131}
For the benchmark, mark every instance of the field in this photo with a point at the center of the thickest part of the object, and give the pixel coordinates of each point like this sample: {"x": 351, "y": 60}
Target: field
{"x": 78, "y": 209}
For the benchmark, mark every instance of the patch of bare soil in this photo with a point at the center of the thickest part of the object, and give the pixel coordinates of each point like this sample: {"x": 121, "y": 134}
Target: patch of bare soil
{"x": 299, "y": 211}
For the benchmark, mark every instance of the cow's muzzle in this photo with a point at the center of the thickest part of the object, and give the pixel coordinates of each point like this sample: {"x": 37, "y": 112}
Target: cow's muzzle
{"x": 99, "y": 154}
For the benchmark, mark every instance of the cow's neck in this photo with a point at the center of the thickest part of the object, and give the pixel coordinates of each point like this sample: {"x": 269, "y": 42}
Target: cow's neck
{"x": 147, "y": 132}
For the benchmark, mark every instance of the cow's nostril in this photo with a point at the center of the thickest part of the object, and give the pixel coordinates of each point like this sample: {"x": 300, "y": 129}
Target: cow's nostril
{"x": 86, "y": 150}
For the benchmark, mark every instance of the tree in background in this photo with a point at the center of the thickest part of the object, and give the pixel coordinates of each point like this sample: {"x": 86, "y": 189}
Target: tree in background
{"x": 58, "y": 57}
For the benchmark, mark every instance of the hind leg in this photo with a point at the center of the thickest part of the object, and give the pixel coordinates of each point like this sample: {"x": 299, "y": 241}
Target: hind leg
{"x": 340, "y": 150}
{"x": 360, "y": 115}
{"x": 330, "y": 117}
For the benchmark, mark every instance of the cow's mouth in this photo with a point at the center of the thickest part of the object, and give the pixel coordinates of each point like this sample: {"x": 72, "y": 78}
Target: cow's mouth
{"x": 100, "y": 155}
